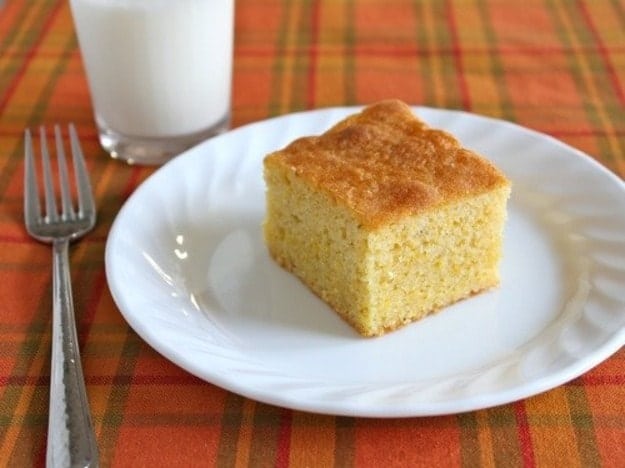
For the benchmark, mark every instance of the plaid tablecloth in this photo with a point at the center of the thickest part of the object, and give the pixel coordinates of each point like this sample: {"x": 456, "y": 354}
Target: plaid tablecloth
{"x": 557, "y": 66}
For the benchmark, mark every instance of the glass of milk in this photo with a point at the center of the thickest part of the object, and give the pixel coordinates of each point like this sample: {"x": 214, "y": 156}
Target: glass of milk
{"x": 159, "y": 72}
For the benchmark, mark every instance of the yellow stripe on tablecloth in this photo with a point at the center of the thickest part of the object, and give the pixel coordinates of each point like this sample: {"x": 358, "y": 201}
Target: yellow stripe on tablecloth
{"x": 330, "y": 60}
{"x": 244, "y": 442}
{"x": 485, "y": 440}
{"x": 309, "y": 446}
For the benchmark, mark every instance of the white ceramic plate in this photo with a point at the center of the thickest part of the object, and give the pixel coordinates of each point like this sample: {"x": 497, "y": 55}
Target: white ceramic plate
{"x": 187, "y": 267}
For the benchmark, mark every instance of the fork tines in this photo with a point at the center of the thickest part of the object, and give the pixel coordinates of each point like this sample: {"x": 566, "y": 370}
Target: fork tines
{"x": 82, "y": 186}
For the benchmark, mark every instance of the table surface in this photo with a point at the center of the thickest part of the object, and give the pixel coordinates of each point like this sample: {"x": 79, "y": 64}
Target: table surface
{"x": 556, "y": 66}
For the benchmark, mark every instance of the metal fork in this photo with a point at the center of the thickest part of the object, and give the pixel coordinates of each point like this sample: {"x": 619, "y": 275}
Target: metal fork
{"x": 71, "y": 439}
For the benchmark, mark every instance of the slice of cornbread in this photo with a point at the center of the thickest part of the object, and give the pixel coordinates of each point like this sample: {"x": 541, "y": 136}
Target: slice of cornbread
{"x": 385, "y": 218}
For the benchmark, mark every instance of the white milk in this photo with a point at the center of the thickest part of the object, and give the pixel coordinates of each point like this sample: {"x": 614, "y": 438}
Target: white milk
{"x": 157, "y": 68}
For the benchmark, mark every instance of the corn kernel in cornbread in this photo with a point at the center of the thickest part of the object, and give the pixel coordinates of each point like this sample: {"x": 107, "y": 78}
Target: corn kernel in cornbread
{"x": 384, "y": 218}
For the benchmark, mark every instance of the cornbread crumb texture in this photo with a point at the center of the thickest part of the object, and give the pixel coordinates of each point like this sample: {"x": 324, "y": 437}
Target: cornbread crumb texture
{"x": 384, "y": 163}
{"x": 378, "y": 225}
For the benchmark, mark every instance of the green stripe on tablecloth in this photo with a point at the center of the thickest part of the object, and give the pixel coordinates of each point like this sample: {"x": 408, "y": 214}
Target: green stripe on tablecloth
{"x": 113, "y": 415}
{"x": 301, "y": 65}
{"x": 503, "y": 426}
{"x": 265, "y": 433}
{"x": 279, "y": 65}
{"x": 349, "y": 36}
{"x": 497, "y": 68}
{"x": 292, "y": 59}
{"x": 311, "y": 76}
{"x": 451, "y": 63}
{"x": 583, "y": 425}
{"x": 439, "y": 67}
{"x": 619, "y": 11}
{"x": 562, "y": 12}
{"x": 344, "y": 445}
{"x": 424, "y": 48}
{"x": 469, "y": 450}
{"x": 231, "y": 422}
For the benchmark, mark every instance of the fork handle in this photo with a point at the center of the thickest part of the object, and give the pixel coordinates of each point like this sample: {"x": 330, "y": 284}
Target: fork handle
{"x": 71, "y": 439}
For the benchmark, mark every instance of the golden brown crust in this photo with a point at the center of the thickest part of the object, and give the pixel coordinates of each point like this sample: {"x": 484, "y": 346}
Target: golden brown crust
{"x": 383, "y": 164}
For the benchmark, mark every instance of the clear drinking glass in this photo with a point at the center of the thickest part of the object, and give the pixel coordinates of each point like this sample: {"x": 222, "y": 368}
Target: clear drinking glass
{"x": 159, "y": 72}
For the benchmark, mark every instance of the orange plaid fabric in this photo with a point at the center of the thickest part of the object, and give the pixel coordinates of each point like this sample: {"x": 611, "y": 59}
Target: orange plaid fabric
{"x": 557, "y": 66}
